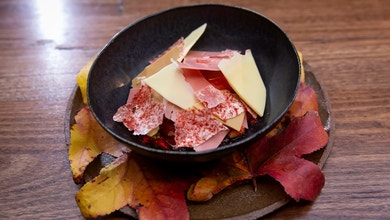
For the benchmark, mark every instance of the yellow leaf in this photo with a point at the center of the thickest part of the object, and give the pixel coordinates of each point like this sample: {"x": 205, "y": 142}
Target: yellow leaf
{"x": 81, "y": 79}
{"x": 82, "y": 149}
{"x": 302, "y": 79}
{"x": 153, "y": 190}
{"x": 108, "y": 191}
{"x": 87, "y": 140}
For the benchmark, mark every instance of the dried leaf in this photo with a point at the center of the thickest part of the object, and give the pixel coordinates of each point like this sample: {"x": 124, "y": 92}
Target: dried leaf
{"x": 280, "y": 156}
{"x": 154, "y": 191}
{"x": 87, "y": 140}
{"x": 159, "y": 190}
{"x": 81, "y": 79}
{"x": 302, "y": 79}
{"x": 228, "y": 171}
{"x": 270, "y": 147}
{"x": 305, "y": 101}
{"x": 108, "y": 191}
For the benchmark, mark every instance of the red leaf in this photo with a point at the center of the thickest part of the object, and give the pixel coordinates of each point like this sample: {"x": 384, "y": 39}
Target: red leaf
{"x": 280, "y": 156}
{"x": 300, "y": 178}
{"x": 305, "y": 101}
{"x": 158, "y": 190}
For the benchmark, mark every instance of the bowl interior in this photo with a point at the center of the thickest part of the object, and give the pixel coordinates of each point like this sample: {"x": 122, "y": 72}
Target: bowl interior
{"x": 228, "y": 27}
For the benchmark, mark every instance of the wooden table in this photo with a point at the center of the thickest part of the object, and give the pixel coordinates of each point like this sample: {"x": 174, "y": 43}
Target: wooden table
{"x": 43, "y": 44}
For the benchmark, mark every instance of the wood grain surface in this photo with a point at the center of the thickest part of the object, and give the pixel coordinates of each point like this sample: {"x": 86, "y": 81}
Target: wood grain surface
{"x": 43, "y": 44}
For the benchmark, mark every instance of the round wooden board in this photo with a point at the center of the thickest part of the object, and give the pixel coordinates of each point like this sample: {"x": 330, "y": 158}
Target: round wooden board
{"x": 241, "y": 202}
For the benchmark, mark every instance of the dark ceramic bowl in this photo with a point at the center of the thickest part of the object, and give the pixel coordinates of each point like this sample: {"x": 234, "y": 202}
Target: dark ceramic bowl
{"x": 129, "y": 51}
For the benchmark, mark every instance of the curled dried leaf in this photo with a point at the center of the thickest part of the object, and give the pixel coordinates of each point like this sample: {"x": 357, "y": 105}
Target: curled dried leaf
{"x": 87, "y": 140}
{"x": 226, "y": 173}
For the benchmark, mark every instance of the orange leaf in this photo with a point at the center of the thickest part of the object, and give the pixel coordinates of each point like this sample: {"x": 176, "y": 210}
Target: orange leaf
{"x": 225, "y": 173}
{"x": 87, "y": 140}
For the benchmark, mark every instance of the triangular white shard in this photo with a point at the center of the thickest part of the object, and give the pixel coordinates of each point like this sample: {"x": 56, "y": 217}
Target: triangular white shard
{"x": 244, "y": 77}
{"x": 191, "y": 39}
{"x": 170, "y": 83}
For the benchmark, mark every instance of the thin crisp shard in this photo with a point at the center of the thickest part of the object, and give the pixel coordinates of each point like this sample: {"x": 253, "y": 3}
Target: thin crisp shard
{"x": 176, "y": 52}
{"x": 230, "y": 108}
{"x": 205, "y": 60}
{"x": 142, "y": 114}
{"x": 202, "y": 89}
{"x": 170, "y": 83}
{"x": 191, "y": 39}
{"x": 160, "y": 62}
{"x": 213, "y": 142}
{"x": 194, "y": 127}
{"x": 244, "y": 77}
{"x": 210, "y": 96}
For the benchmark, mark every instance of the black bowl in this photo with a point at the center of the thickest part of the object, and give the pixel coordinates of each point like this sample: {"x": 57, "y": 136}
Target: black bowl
{"x": 129, "y": 51}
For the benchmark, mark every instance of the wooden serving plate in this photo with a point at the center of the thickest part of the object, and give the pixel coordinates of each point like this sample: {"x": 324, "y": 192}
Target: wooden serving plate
{"x": 241, "y": 202}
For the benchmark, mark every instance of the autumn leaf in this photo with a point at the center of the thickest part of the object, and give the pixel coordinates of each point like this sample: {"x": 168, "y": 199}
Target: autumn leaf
{"x": 220, "y": 176}
{"x": 300, "y": 56}
{"x": 81, "y": 79}
{"x": 87, "y": 140}
{"x": 305, "y": 101}
{"x": 225, "y": 173}
{"x": 280, "y": 156}
{"x": 154, "y": 191}
{"x": 159, "y": 190}
{"x": 107, "y": 192}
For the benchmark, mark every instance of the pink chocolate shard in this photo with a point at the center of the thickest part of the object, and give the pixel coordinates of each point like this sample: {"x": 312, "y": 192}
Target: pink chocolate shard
{"x": 132, "y": 92}
{"x": 203, "y": 90}
{"x": 211, "y": 96}
{"x": 171, "y": 110}
{"x": 205, "y": 60}
{"x": 194, "y": 127}
{"x": 213, "y": 142}
{"x": 142, "y": 114}
{"x": 230, "y": 108}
